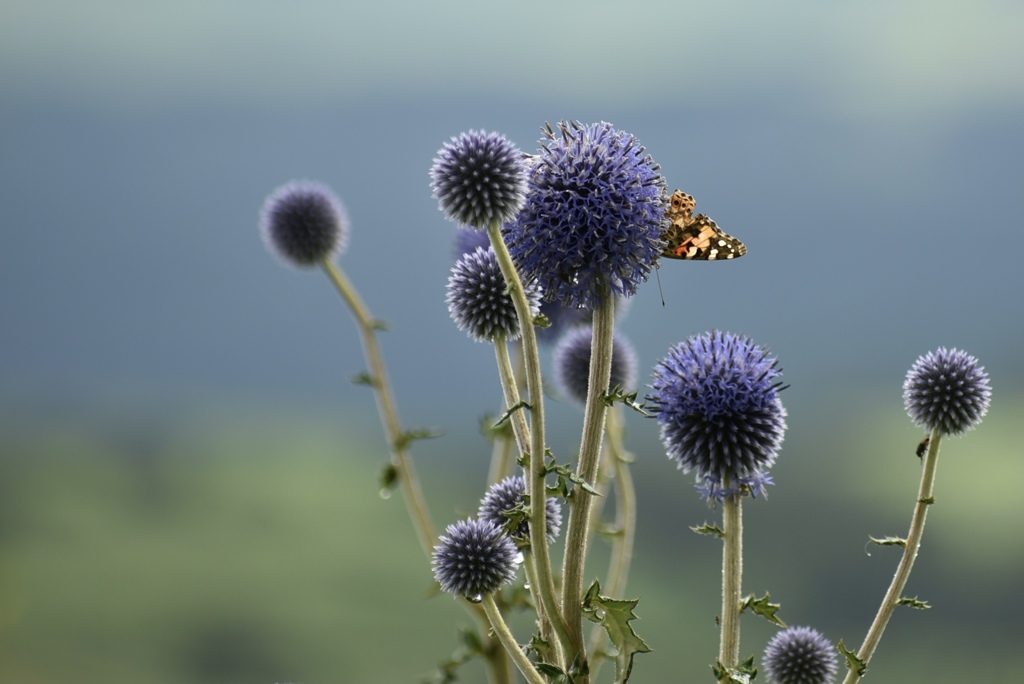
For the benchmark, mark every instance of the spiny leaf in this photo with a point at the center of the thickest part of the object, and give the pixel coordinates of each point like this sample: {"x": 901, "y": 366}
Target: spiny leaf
{"x": 541, "y": 321}
{"x": 567, "y": 480}
{"x": 364, "y": 378}
{"x": 388, "y": 478}
{"x": 494, "y": 430}
{"x": 763, "y": 607}
{"x": 889, "y": 541}
{"x": 913, "y": 603}
{"x": 615, "y": 615}
{"x": 744, "y": 673}
{"x": 853, "y": 663}
{"x": 617, "y": 394}
{"x": 709, "y": 528}
{"x": 410, "y": 436}
{"x": 512, "y": 409}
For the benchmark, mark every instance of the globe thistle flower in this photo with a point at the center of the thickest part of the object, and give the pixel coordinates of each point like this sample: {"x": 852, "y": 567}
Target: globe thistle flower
{"x": 948, "y": 391}
{"x": 593, "y": 217}
{"x": 506, "y": 495}
{"x": 716, "y": 398}
{"x": 478, "y": 299}
{"x": 304, "y": 223}
{"x": 572, "y": 363}
{"x": 800, "y": 655}
{"x": 714, "y": 491}
{"x": 479, "y": 178}
{"x": 474, "y": 558}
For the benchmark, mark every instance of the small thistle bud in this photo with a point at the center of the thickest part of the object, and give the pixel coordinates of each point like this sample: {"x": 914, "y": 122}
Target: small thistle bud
{"x": 948, "y": 391}
{"x": 716, "y": 397}
{"x": 572, "y": 363}
{"x": 800, "y": 655}
{"x": 304, "y": 223}
{"x": 479, "y": 178}
{"x": 478, "y": 299}
{"x": 505, "y": 496}
{"x": 474, "y": 558}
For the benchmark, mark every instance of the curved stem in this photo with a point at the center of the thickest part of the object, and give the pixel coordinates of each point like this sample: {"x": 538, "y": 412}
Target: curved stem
{"x": 535, "y": 481}
{"x": 520, "y": 427}
{"x": 925, "y": 498}
{"x": 509, "y": 642}
{"x": 387, "y": 408}
{"x": 732, "y": 578}
{"x": 590, "y": 455}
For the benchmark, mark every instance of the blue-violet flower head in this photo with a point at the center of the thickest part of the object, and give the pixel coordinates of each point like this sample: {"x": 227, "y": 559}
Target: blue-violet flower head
{"x": 479, "y": 178}
{"x": 572, "y": 363}
{"x": 593, "y": 218}
{"x": 946, "y": 390}
{"x": 478, "y": 299}
{"x": 800, "y": 655}
{"x": 505, "y": 496}
{"x": 716, "y": 398}
{"x": 304, "y": 223}
{"x": 475, "y": 557}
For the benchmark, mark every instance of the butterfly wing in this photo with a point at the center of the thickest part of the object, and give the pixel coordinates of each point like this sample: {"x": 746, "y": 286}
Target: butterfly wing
{"x": 696, "y": 238}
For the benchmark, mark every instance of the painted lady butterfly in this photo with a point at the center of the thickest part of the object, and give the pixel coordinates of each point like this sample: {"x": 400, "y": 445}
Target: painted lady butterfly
{"x": 697, "y": 238}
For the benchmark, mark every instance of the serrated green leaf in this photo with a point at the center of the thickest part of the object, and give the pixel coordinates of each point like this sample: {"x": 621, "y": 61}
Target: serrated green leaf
{"x": 711, "y": 529}
{"x": 505, "y": 417}
{"x": 915, "y": 603}
{"x": 889, "y": 541}
{"x": 615, "y": 615}
{"x": 380, "y": 324}
{"x": 927, "y": 500}
{"x": 541, "y": 321}
{"x": 744, "y": 673}
{"x": 853, "y": 663}
{"x": 617, "y": 394}
{"x": 763, "y": 607}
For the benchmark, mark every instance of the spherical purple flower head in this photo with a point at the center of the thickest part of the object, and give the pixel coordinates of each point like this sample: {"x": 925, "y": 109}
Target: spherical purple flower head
{"x": 800, "y": 655}
{"x": 948, "y": 391}
{"x": 304, "y": 223}
{"x": 593, "y": 218}
{"x": 504, "y": 496}
{"x": 572, "y": 363}
{"x": 474, "y": 558}
{"x": 479, "y": 178}
{"x": 478, "y": 299}
{"x": 716, "y": 397}
{"x": 714, "y": 491}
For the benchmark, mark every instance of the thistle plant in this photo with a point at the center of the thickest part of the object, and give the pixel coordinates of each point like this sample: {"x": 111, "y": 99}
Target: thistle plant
{"x": 547, "y": 246}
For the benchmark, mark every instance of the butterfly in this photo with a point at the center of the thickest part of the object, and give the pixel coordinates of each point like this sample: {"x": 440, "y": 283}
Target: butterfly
{"x": 696, "y": 238}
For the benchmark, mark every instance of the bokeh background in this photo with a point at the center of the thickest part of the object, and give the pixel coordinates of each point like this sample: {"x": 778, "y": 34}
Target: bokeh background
{"x": 188, "y": 480}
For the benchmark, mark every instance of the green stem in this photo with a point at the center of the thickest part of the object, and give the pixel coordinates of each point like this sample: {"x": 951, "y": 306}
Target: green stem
{"x": 535, "y": 482}
{"x": 590, "y": 456}
{"x": 732, "y": 578}
{"x": 387, "y": 409}
{"x": 509, "y": 642}
{"x": 510, "y": 389}
{"x": 625, "y": 524}
{"x": 925, "y": 498}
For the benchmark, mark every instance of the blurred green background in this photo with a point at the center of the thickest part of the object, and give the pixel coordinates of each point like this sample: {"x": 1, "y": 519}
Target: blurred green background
{"x": 188, "y": 481}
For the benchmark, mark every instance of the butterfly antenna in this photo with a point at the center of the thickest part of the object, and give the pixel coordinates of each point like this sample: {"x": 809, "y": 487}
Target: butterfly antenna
{"x": 657, "y": 275}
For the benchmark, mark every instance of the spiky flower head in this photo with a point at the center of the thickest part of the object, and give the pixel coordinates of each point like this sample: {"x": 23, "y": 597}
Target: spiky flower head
{"x": 479, "y": 178}
{"x": 572, "y": 363}
{"x": 716, "y": 398}
{"x": 474, "y": 558}
{"x": 946, "y": 390}
{"x": 506, "y": 496}
{"x": 304, "y": 223}
{"x": 800, "y": 655}
{"x": 478, "y": 300}
{"x": 593, "y": 218}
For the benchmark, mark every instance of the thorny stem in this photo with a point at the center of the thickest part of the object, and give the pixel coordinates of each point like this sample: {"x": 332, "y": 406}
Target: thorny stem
{"x": 625, "y": 523}
{"x": 589, "y": 458}
{"x": 535, "y": 481}
{"x": 509, "y": 641}
{"x": 925, "y": 498}
{"x": 732, "y": 578}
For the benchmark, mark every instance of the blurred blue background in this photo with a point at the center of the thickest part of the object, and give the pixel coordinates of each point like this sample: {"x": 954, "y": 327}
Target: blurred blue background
{"x": 186, "y": 473}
